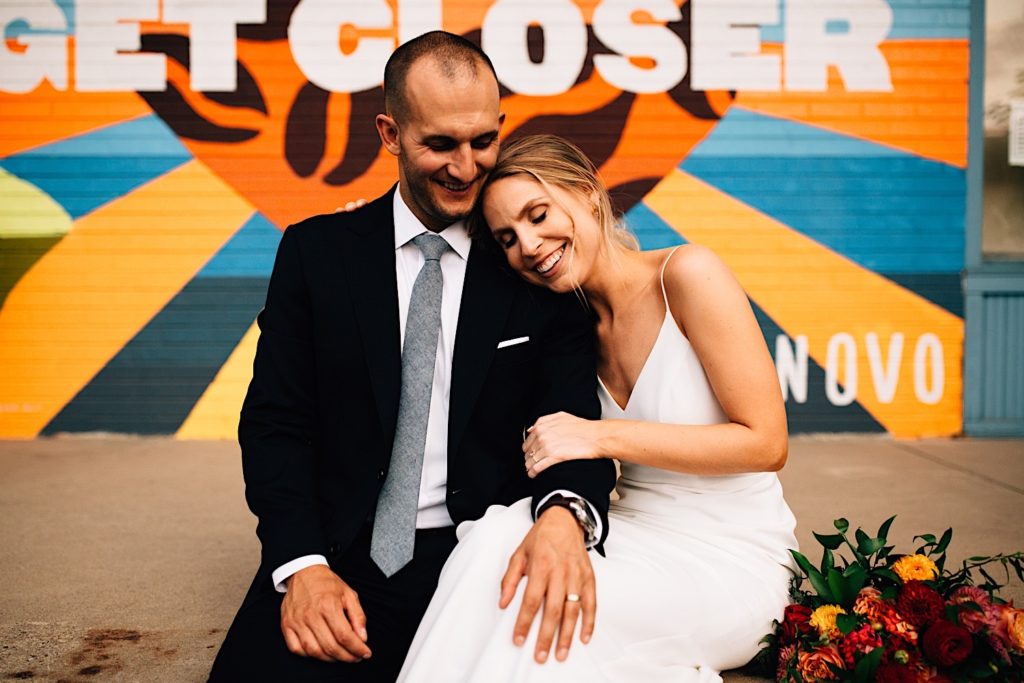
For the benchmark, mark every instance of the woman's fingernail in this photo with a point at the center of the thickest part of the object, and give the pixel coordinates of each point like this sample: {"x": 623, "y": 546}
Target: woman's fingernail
{"x": 363, "y": 634}
{"x": 562, "y": 654}
{"x": 519, "y": 640}
{"x": 542, "y": 656}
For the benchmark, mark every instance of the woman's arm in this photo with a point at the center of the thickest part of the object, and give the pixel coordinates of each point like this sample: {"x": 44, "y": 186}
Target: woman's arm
{"x": 711, "y": 308}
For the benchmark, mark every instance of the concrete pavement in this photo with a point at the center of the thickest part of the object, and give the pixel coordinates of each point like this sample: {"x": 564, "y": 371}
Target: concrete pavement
{"x": 124, "y": 559}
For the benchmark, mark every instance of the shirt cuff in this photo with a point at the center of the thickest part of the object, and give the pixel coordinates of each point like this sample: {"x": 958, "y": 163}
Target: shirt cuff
{"x": 282, "y": 573}
{"x": 598, "y": 531}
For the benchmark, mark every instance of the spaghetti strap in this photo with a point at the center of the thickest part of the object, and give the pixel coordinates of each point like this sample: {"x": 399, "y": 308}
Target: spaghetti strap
{"x": 664, "y": 294}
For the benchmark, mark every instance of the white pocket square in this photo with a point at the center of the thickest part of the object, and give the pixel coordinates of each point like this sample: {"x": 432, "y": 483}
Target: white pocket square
{"x": 513, "y": 342}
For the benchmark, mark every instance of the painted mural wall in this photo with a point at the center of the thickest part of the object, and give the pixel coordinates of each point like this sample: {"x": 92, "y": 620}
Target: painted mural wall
{"x": 152, "y": 152}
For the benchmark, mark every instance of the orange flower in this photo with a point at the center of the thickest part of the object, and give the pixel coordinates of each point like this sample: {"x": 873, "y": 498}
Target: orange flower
{"x": 814, "y": 665}
{"x": 1014, "y": 620}
{"x": 915, "y": 568}
{"x": 824, "y": 619}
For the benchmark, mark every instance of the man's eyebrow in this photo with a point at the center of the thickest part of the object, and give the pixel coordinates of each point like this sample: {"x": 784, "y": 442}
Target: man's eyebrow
{"x": 438, "y": 139}
{"x": 491, "y": 134}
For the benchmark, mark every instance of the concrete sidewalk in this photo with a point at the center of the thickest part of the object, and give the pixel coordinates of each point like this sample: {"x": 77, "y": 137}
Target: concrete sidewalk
{"x": 124, "y": 559}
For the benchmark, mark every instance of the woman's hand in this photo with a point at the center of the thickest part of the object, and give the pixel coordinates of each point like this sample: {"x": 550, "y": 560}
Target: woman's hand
{"x": 559, "y": 437}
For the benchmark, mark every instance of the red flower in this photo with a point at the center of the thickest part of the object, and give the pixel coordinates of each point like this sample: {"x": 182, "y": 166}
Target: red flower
{"x": 796, "y": 620}
{"x": 895, "y": 673}
{"x": 919, "y": 604}
{"x": 972, "y": 617}
{"x": 946, "y": 643}
{"x": 859, "y": 642}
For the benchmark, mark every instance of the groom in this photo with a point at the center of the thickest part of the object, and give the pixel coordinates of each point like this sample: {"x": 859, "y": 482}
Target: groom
{"x": 397, "y": 369}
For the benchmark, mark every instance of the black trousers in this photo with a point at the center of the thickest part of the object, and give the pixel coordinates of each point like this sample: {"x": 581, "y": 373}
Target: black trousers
{"x": 254, "y": 648}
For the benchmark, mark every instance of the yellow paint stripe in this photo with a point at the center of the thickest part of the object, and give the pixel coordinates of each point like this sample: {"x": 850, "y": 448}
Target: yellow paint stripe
{"x": 215, "y": 414}
{"x": 90, "y": 294}
{"x": 27, "y": 211}
{"x": 810, "y": 290}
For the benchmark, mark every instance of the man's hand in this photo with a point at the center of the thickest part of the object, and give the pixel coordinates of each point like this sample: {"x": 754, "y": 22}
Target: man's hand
{"x": 556, "y": 564}
{"x": 321, "y": 617}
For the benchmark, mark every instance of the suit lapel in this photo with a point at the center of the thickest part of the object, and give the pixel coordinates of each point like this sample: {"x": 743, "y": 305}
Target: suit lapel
{"x": 486, "y": 298}
{"x": 369, "y": 259}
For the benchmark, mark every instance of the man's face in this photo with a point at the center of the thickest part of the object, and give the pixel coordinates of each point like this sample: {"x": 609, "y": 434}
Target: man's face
{"x": 446, "y": 141}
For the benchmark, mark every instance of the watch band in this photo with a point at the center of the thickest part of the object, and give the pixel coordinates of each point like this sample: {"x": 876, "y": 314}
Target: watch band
{"x": 580, "y": 510}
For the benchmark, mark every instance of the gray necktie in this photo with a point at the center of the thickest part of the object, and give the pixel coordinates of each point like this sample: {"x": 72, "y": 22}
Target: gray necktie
{"x": 394, "y": 526}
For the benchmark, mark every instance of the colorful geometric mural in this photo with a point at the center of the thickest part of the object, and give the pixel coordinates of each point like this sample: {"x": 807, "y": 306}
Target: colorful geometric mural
{"x": 152, "y": 152}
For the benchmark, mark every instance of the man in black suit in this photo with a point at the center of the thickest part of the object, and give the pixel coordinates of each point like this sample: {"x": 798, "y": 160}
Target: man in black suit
{"x": 318, "y": 423}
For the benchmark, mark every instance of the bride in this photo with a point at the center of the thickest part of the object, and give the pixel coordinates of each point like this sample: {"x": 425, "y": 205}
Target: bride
{"x": 696, "y": 562}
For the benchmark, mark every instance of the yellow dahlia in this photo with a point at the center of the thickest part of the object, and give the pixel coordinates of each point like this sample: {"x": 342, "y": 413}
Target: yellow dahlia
{"x": 915, "y": 568}
{"x": 824, "y": 619}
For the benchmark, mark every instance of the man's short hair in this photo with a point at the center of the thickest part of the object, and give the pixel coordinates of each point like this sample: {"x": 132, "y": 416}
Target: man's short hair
{"x": 453, "y": 54}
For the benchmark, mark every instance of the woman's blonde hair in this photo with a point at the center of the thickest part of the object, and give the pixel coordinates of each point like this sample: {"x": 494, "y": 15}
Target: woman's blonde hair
{"x": 553, "y": 161}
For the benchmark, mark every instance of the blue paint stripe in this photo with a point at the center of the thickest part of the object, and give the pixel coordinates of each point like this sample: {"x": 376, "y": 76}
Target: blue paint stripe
{"x": 911, "y": 19}
{"x": 650, "y": 230}
{"x": 249, "y": 253}
{"x": 886, "y": 210}
{"x": 87, "y": 171}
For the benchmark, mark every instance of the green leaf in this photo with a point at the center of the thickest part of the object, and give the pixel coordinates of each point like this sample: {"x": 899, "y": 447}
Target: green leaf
{"x": 927, "y": 538}
{"x": 887, "y": 574}
{"x": 831, "y": 542}
{"x": 883, "y": 531}
{"x": 828, "y": 561}
{"x": 871, "y": 545}
{"x": 856, "y": 576}
{"x": 868, "y": 664}
{"x": 862, "y": 538}
{"x": 814, "y": 576}
{"x": 944, "y": 541}
{"x": 842, "y": 525}
{"x": 846, "y": 623}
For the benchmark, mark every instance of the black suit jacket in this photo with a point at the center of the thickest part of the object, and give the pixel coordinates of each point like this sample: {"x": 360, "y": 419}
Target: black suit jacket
{"x": 318, "y": 421}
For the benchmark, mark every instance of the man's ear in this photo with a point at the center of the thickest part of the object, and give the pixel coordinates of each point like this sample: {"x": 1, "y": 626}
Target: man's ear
{"x": 387, "y": 129}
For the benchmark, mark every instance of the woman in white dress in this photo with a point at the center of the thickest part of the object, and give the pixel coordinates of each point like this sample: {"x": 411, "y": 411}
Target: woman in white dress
{"x": 697, "y": 561}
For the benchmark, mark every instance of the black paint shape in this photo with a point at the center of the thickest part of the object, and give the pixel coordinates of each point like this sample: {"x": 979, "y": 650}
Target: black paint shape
{"x": 153, "y": 382}
{"x": 596, "y": 132}
{"x": 626, "y": 195}
{"x": 363, "y": 141}
{"x": 305, "y": 132}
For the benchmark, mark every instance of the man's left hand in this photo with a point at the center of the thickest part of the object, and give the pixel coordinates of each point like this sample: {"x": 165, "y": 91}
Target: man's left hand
{"x": 554, "y": 561}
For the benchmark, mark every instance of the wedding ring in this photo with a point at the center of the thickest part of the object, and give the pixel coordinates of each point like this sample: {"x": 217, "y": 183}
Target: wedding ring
{"x": 572, "y": 597}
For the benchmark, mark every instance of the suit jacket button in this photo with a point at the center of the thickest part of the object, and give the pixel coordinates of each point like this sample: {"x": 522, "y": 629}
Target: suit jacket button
{"x": 380, "y": 475}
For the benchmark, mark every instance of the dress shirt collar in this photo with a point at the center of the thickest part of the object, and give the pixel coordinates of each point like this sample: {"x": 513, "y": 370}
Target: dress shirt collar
{"x": 408, "y": 226}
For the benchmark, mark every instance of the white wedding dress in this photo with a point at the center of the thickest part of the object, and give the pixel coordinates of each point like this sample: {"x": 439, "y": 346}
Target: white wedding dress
{"x": 696, "y": 567}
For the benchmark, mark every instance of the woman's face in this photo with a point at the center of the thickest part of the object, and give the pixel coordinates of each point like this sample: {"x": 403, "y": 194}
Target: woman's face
{"x": 550, "y": 236}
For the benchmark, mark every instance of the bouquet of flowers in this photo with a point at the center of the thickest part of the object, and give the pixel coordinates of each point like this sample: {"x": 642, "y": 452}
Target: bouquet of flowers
{"x": 893, "y": 618}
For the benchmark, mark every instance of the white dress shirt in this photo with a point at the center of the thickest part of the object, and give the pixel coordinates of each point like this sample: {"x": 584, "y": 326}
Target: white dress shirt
{"x": 433, "y": 511}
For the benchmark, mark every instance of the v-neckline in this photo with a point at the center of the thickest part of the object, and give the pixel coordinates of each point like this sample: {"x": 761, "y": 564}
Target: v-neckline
{"x": 643, "y": 369}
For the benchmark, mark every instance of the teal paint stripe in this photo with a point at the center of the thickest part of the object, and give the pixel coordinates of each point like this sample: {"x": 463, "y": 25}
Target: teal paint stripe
{"x": 650, "y": 230}
{"x": 911, "y": 19}
{"x": 84, "y": 172}
{"x": 249, "y": 253}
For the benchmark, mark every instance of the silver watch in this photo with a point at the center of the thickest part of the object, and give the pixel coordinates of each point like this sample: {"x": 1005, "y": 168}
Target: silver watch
{"x": 579, "y": 509}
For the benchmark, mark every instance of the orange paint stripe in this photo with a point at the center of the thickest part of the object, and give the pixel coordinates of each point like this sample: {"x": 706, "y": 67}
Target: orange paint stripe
{"x": 89, "y": 295}
{"x": 47, "y": 115}
{"x": 925, "y": 114}
{"x": 810, "y": 290}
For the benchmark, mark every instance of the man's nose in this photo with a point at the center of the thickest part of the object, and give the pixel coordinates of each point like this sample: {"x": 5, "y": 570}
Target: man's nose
{"x": 462, "y": 166}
